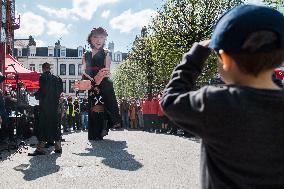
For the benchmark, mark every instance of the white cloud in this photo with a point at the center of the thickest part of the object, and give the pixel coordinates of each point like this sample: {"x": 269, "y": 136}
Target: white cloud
{"x": 258, "y": 2}
{"x": 128, "y": 21}
{"x": 57, "y": 29}
{"x": 81, "y": 8}
{"x": 105, "y": 14}
{"x": 86, "y": 8}
{"x": 61, "y": 13}
{"x": 40, "y": 43}
{"x": 31, "y": 24}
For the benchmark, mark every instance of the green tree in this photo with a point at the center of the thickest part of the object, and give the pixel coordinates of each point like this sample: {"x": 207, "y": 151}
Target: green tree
{"x": 178, "y": 25}
{"x": 277, "y": 4}
{"x": 159, "y": 49}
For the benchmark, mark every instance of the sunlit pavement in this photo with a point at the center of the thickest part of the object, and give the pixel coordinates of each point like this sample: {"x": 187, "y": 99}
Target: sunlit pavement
{"x": 125, "y": 159}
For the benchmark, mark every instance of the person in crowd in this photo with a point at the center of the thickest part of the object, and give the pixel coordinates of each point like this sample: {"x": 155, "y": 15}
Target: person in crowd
{"x": 77, "y": 118}
{"x": 277, "y": 81}
{"x": 3, "y": 117}
{"x": 10, "y": 106}
{"x": 132, "y": 115}
{"x": 145, "y": 108}
{"x": 22, "y": 98}
{"x": 96, "y": 67}
{"x": 140, "y": 115}
{"x": 153, "y": 113}
{"x": 241, "y": 125}
{"x": 162, "y": 119}
{"x": 84, "y": 113}
{"x": 62, "y": 112}
{"x": 48, "y": 95}
{"x": 124, "y": 107}
{"x": 70, "y": 113}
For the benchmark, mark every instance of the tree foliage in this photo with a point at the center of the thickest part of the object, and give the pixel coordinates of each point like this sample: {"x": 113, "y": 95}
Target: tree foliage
{"x": 159, "y": 48}
{"x": 277, "y": 4}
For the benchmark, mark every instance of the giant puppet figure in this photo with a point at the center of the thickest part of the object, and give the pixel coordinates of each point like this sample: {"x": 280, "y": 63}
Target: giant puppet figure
{"x": 96, "y": 72}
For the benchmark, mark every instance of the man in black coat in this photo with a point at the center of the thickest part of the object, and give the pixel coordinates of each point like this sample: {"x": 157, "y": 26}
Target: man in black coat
{"x": 48, "y": 95}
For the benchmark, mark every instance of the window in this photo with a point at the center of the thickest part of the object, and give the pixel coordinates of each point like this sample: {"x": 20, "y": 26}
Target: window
{"x": 40, "y": 68}
{"x": 72, "y": 69}
{"x": 32, "y": 67}
{"x": 71, "y": 83}
{"x": 79, "y": 69}
{"x": 63, "y": 53}
{"x": 80, "y": 53}
{"x": 118, "y": 58}
{"x": 64, "y": 86}
{"x": 20, "y": 52}
{"x": 50, "y": 51}
{"x": 62, "y": 69}
{"x": 57, "y": 52}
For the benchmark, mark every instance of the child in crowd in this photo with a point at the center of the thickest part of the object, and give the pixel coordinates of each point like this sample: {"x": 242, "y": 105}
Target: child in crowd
{"x": 241, "y": 124}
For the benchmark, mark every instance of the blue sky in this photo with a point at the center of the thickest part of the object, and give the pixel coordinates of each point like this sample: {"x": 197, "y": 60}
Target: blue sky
{"x": 71, "y": 20}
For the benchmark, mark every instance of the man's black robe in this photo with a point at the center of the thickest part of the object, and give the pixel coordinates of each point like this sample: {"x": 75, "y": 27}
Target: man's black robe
{"x": 50, "y": 89}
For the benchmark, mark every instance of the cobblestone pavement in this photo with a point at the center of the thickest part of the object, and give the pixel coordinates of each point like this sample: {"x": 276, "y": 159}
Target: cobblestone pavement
{"x": 125, "y": 159}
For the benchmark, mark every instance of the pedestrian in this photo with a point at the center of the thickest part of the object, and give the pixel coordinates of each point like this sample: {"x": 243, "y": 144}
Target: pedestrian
{"x": 10, "y": 105}
{"x": 140, "y": 115}
{"x": 162, "y": 119}
{"x": 62, "y": 112}
{"x": 70, "y": 113}
{"x": 84, "y": 113}
{"x": 132, "y": 115}
{"x": 77, "y": 117}
{"x": 153, "y": 113}
{"x": 124, "y": 107}
{"x": 3, "y": 115}
{"x": 241, "y": 124}
{"x": 48, "y": 95}
{"x": 145, "y": 108}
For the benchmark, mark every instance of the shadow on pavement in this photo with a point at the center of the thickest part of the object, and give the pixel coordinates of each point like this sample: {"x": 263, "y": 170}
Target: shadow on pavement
{"x": 39, "y": 166}
{"x": 114, "y": 153}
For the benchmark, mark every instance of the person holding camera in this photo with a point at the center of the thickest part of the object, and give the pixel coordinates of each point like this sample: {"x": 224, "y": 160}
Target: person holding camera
{"x": 241, "y": 125}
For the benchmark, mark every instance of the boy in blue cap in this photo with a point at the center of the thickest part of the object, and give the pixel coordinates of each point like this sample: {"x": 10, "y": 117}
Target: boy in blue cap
{"x": 241, "y": 124}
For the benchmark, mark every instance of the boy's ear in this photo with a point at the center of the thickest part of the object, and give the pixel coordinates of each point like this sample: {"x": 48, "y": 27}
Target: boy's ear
{"x": 227, "y": 61}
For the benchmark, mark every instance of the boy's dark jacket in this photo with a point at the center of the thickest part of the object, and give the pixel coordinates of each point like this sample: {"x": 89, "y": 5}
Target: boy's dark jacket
{"x": 242, "y": 128}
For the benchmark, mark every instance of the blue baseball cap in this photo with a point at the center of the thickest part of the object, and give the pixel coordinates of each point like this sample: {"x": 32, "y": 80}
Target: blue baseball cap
{"x": 233, "y": 28}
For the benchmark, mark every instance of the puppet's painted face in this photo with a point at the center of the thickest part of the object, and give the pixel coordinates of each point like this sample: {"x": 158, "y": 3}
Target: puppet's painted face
{"x": 98, "y": 41}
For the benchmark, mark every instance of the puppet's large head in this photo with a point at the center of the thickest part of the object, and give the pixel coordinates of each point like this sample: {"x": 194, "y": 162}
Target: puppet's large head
{"x": 97, "y": 38}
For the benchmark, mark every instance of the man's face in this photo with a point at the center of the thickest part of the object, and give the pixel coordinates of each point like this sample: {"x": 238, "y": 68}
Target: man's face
{"x": 98, "y": 41}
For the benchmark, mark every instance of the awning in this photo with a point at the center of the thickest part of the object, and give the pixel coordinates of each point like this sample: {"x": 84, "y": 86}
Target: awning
{"x": 24, "y": 73}
{"x": 28, "y": 77}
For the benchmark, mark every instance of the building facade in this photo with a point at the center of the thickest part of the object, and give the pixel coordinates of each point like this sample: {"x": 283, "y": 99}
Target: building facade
{"x": 65, "y": 62}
